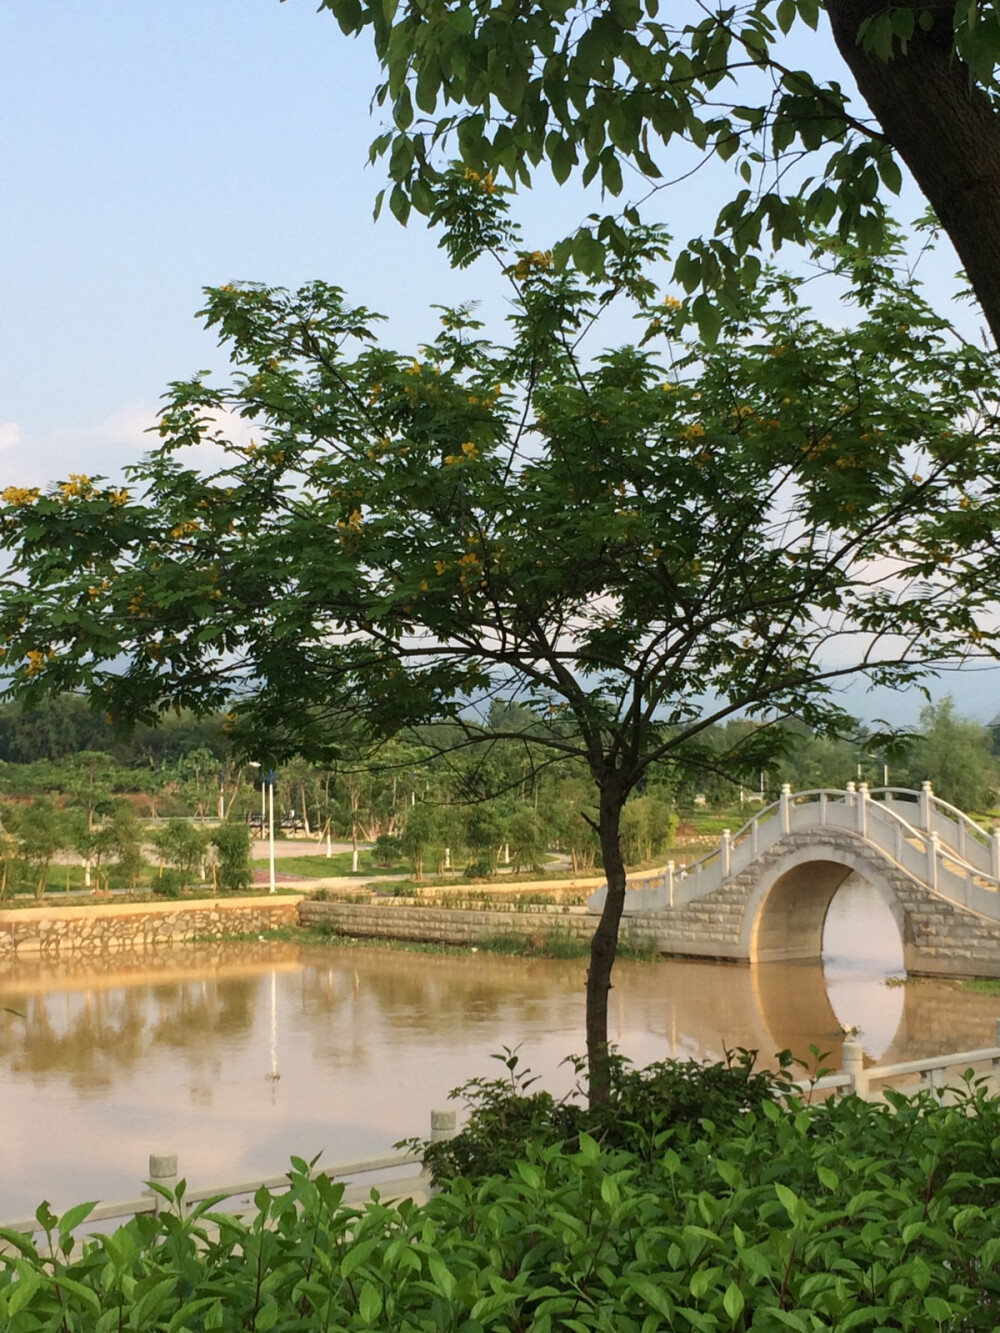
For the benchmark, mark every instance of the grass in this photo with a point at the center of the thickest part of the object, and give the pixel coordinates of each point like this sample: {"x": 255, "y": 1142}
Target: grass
{"x": 83, "y": 897}
{"x": 322, "y": 866}
{"x": 982, "y": 985}
{"x": 552, "y": 944}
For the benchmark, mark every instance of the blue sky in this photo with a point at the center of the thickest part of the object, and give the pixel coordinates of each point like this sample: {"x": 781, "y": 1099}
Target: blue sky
{"x": 147, "y": 150}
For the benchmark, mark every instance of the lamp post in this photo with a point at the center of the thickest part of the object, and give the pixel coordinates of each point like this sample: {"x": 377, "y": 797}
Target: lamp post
{"x": 270, "y": 822}
{"x": 267, "y": 813}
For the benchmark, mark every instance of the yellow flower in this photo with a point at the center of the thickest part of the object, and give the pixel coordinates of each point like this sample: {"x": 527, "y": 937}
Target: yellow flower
{"x": 693, "y": 432}
{"x": 37, "y": 660}
{"x": 469, "y": 449}
{"x": 672, "y": 303}
{"x": 20, "y": 495}
{"x": 79, "y": 485}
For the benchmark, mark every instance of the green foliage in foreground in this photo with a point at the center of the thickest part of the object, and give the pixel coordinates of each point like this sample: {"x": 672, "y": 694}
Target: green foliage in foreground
{"x": 837, "y": 1216}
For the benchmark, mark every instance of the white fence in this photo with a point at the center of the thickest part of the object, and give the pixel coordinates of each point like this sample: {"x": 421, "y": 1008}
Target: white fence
{"x": 932, "y": 840}
{"x": 391, "y": 1174}
{"x": 938, "y": 1071}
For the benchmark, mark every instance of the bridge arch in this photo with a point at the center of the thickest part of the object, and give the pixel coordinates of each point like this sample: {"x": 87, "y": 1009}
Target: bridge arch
{"x": 787, "y": 907}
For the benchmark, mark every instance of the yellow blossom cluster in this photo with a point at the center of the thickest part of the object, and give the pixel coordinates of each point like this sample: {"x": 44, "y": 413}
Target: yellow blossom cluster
{"x": 527, "y": 264}
{"x": 693, "y": 432}
{"x": 78, "y": 487}
{"x": 672, "y": 303}
{"x": 487, "y": 182}
{"x": 186, "y": 528}
{"x": 20, "y": 495}
{"x": 469, "y": 450}
{"x": 37, "y": 659}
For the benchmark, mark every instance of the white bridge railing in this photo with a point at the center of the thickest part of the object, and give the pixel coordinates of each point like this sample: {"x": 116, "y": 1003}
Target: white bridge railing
{"x": 930, "y": 839}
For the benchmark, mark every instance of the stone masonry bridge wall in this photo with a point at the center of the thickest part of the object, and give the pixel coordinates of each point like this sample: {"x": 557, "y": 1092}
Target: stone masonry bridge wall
{"x": 775, "y": 909}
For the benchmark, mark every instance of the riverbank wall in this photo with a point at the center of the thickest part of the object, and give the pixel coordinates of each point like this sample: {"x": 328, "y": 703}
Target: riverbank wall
{"x": 454, "y": 925}
{"x": 105, "y": 928}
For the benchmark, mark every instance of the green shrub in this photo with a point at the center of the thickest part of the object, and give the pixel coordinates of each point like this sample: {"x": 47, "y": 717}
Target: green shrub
{"x": 232, "y": 843}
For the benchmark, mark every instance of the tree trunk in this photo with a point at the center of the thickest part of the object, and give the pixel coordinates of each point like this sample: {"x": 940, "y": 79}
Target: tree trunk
{"x": 604, "y": 945}
{"x": 944, "y": 129}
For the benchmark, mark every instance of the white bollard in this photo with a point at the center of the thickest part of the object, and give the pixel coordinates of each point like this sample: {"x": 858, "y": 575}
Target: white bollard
{"x": 443, "y": 1125}
{"x": 786, "y": 807}
{"x": 926, "y": 808}
{"x": 162, "y": 1171}
{"x": 852, "y": 1062}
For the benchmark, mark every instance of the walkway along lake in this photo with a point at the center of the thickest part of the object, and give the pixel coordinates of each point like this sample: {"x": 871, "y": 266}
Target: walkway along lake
{"x": 236, "y": 1056}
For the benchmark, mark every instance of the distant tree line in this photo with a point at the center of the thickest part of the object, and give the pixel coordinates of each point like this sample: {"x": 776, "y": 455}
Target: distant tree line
{"x": 72, "y": 785}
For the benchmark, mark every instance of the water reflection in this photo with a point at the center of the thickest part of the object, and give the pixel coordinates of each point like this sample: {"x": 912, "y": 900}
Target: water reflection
{"x": 237, "y": 1056}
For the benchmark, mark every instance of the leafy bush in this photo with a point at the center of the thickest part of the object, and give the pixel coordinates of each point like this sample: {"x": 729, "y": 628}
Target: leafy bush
{"x": 387, "y": 851}
{"x": 505, "y": 1116}
{"x": 838, "y": 1216}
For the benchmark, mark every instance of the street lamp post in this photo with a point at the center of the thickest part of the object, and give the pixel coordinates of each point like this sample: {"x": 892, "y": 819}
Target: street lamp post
{"x": 270, "y": 822}
{"x": 267, "y": 813}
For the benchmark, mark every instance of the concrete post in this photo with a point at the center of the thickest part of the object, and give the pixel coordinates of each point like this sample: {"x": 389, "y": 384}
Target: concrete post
{"x": 786, "y": 807}
{"x": 863, "y": 795}
{"x": 996, "y": 1032}
{"x": 852, "y": 1062}
{"x": 926, "y": 806}
{"x": 443, "y": 1125}
{"x": 822, "y": 809}
{"x": 754, "y": 837}
{"x": 726, "y": 852}
{"x": 933, "y": 847}
{"x": 670, "y": 884}
{"x": 995, "y": 853}
{"x": 162, "y": 1171}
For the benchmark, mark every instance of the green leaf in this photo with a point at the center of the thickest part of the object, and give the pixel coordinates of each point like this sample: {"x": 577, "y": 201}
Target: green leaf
{"x": 370, "y": 1303}
{"x": 733, "y": 1302}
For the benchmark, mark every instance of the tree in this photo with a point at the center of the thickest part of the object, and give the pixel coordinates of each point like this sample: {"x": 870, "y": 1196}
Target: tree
{"x": 41, "y": 833}
{"x": 953, "y": 753}
{"x": 422, "y": 828}
{"x": 611, "y": 91}
{"x": 182, "y": 846}
{"x": 634, "y": 547}
{"x": 232, "y": 843}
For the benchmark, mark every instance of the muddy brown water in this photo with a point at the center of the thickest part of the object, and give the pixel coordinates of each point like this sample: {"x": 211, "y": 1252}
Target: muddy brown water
{"x": 237, "y": 1056}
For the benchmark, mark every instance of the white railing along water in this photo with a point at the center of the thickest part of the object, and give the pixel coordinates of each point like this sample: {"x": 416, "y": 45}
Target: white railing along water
{"x": 932, "y": 840}
{"x": 389, "y": 1174}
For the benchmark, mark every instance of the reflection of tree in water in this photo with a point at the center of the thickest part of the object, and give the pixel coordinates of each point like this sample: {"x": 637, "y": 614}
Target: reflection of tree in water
{"x": 692, "y": 1010}
{"x": 88, "y": 1035}
{"x": 194, "y": 1016}
{"x": 92, "y": 1035}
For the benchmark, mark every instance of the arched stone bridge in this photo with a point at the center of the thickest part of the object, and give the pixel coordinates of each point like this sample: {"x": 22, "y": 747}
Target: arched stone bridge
{"x": 763, "y": 894}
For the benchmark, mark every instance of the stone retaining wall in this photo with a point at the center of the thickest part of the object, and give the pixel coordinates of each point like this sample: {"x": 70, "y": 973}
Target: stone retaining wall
{"x": 449, "y": 925}
{"x": 136, "y": 927}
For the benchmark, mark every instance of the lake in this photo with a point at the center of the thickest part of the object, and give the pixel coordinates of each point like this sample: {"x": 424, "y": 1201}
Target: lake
{"x": 236, "y": 1056}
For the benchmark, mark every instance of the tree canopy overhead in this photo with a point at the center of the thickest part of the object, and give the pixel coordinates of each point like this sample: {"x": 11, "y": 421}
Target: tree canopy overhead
{"x": 611, "y": 90}
{"x": 633, "y": 546}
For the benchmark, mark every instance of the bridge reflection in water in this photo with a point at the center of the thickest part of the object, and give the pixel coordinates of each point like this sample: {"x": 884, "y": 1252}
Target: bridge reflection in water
{"x": 101, "y": 1066}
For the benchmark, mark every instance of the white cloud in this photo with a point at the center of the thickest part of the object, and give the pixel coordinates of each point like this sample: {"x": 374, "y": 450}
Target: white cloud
{"x": 10, "y": 435}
